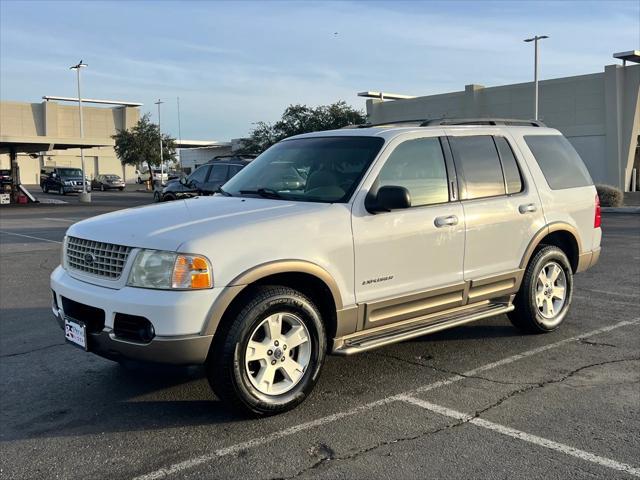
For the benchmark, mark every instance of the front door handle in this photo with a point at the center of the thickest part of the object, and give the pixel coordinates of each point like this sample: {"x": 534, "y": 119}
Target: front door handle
{"x": 447, "y": 221}
{"x": 528, "y": 208}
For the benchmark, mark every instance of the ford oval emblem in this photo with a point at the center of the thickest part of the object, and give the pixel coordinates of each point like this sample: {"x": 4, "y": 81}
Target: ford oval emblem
{"x": 89, "y": 258}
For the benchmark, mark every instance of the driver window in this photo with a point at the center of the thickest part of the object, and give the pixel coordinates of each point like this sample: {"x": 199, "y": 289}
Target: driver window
{"x": 419, "y": 166}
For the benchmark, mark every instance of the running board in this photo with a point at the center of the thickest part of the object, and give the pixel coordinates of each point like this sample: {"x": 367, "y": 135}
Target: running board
{"x": 363, "y": 342}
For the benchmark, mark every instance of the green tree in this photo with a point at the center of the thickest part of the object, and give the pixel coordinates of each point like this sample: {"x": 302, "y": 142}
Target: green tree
{"x": 141, "y": 144}
{"x": 298, "y": 119}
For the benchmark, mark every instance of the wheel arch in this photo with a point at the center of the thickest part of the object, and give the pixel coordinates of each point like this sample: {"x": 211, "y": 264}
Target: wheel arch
{"x": 309, "y": 278}
{"x": 559, "y": 234}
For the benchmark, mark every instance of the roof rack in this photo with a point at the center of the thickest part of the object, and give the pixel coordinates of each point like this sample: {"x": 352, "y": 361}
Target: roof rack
{"x": 513, "y": 122}
{"x": 422, "y": 122}
{"x": 385, "y": 124}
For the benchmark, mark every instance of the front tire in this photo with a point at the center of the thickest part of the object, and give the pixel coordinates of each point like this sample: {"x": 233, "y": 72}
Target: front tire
{"x": 268, "y": 358}
{"x": 545, "y": 295}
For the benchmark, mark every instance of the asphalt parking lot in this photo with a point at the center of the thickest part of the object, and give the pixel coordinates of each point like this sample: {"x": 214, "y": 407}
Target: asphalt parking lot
{"x": 479, "y": 401}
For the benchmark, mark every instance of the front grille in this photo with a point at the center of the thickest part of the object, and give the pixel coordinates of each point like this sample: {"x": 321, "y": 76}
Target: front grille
{"x": 96, "y": 258}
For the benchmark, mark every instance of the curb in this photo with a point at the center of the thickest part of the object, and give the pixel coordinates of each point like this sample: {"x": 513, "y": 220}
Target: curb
{"x": 628, "y": 210}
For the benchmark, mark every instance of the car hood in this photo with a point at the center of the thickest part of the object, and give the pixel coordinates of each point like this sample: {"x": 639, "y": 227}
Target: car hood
{"x": 165, "y": 226}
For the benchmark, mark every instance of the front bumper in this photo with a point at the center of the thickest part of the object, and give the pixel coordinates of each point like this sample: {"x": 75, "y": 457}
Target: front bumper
{"x": 178, "y": 318}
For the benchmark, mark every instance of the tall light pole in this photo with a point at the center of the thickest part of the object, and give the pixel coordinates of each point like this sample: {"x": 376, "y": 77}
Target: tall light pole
{"x": 535, "y": 72}
{"x": 160, "y": 102}
{"x": 85, "y": 197}
{"x": 179, "y": 135}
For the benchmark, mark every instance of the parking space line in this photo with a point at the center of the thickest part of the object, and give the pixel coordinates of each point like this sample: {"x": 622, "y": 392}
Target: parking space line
{"x": 526, "y": 437}
{"x": 30, "y": 236}
{"x": 606, "y": 292}
{"x": 608, "y": 300}
{"x": 65, "y": 220}
{"x": 196, "y": 461}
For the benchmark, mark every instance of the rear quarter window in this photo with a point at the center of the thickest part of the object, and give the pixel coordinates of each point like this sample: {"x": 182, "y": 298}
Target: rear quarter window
{"x": 560, "y": 163}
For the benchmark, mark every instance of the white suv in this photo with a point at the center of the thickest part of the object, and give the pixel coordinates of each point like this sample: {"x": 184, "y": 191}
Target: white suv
{"x": 335, "y": 242}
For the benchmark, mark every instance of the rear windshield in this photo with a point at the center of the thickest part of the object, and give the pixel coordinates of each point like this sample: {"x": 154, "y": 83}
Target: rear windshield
{"x": 560, "y": 163}
{"x": 318, "y": 169}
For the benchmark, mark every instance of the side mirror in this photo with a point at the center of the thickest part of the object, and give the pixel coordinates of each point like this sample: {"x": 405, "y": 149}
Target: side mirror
{"x": 54, "y": 175}
{"x": 389, "y": 198}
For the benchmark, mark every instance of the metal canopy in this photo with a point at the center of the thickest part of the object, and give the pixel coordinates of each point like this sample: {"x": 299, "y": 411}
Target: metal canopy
{"x": 41, "y": 144}
{"x": 384, "y": 95}
{"x": 630, "y": 56}
{"x": 93, "y": 100}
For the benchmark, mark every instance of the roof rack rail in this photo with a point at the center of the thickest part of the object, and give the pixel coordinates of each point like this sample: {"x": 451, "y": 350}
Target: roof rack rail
{"x": 418, "y": 122}
{"x": 513, "y": 122}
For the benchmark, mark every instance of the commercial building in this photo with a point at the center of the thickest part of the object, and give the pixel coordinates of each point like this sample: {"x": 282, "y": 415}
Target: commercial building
{"x": 599, "y": 113}
{"x": 48, "y": 134}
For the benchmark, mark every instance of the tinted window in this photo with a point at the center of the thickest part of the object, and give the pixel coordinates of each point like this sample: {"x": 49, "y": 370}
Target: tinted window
{"x": 509, "y": 166}
{"x": 315, "y": 169}
{"x": 478, "y": 164}
{"x": 418, "y": 165}
{"x": 560, "y": 163}
{"x": 233, "y": 169}
{"x": 218, "y": 174}
{"x": 200, "y": 175}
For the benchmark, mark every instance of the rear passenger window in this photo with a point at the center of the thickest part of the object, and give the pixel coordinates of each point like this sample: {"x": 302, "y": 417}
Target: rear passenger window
{"x": 418, "y": 165}
{"x": 478, "y": 165}
{"x": 509, "y": 166}
{"x": 560, "y": 163}
{"x": 233, "y": 169}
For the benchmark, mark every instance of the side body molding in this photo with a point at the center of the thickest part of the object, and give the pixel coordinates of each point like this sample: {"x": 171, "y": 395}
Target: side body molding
{"x": 261, "y": 271}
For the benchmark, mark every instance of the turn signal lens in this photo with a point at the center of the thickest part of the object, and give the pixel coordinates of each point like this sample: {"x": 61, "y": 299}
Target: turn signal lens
{"x": 191, "y": 271}
{"x": 598, "y": 215}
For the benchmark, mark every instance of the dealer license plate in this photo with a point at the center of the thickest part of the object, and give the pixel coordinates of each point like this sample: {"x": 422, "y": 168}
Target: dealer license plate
{"x": 75, "y": 332}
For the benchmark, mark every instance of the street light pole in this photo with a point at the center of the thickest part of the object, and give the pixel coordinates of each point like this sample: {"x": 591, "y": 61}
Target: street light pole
{"x": 85, "y": 197}
{"x": 159, "y": 102}
{"x": 535, "y": 72}
{"x": 179, "y": 135}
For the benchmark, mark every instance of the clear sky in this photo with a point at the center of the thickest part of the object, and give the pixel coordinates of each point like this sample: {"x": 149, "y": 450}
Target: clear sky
{"x": 235, "y": 63}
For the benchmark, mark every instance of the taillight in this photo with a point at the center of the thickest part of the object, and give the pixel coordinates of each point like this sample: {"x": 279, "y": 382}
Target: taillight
{"x": 598, "y": 216}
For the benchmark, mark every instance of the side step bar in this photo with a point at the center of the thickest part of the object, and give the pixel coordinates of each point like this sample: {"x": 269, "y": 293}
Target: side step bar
{"x": 363, "y": 342}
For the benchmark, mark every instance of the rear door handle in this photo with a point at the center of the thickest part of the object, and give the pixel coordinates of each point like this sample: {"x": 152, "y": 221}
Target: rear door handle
{"x": 528, "y": 208}
{"x": 447, "y": 221}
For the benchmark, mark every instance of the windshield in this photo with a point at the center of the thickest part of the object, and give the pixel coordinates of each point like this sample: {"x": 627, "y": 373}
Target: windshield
{"x": 70, "y": 172}
{"x": 319, "y": 169}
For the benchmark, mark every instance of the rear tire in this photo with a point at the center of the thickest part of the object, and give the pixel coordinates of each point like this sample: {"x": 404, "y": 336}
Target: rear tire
{"x": 543, "y": 300}
{"x": 169, "y": 197}
{"x": 250, "y": 366}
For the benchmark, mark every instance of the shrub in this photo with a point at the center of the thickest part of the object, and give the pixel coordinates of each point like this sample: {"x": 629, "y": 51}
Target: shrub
{"x": 610, "y": 196}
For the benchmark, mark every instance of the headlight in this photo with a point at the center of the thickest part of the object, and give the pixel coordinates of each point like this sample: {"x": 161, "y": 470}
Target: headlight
{"x": 170, "y": 270}
{"x": 68, "y": 182}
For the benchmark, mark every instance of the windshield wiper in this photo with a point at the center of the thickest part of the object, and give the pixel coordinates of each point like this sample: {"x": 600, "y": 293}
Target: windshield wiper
{"x": 223, "y": 192}
{"x": 263, "y": 192}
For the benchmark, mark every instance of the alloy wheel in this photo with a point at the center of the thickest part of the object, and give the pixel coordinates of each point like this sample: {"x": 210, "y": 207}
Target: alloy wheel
{"x": 551, "y": 290}
{"x": 278, "y": 353}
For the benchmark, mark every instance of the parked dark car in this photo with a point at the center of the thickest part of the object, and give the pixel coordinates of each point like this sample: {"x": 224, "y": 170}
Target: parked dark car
{"x": 205, "y": 180}
{"x": 62, "y": 180}
{"x": 107, "y": 182}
